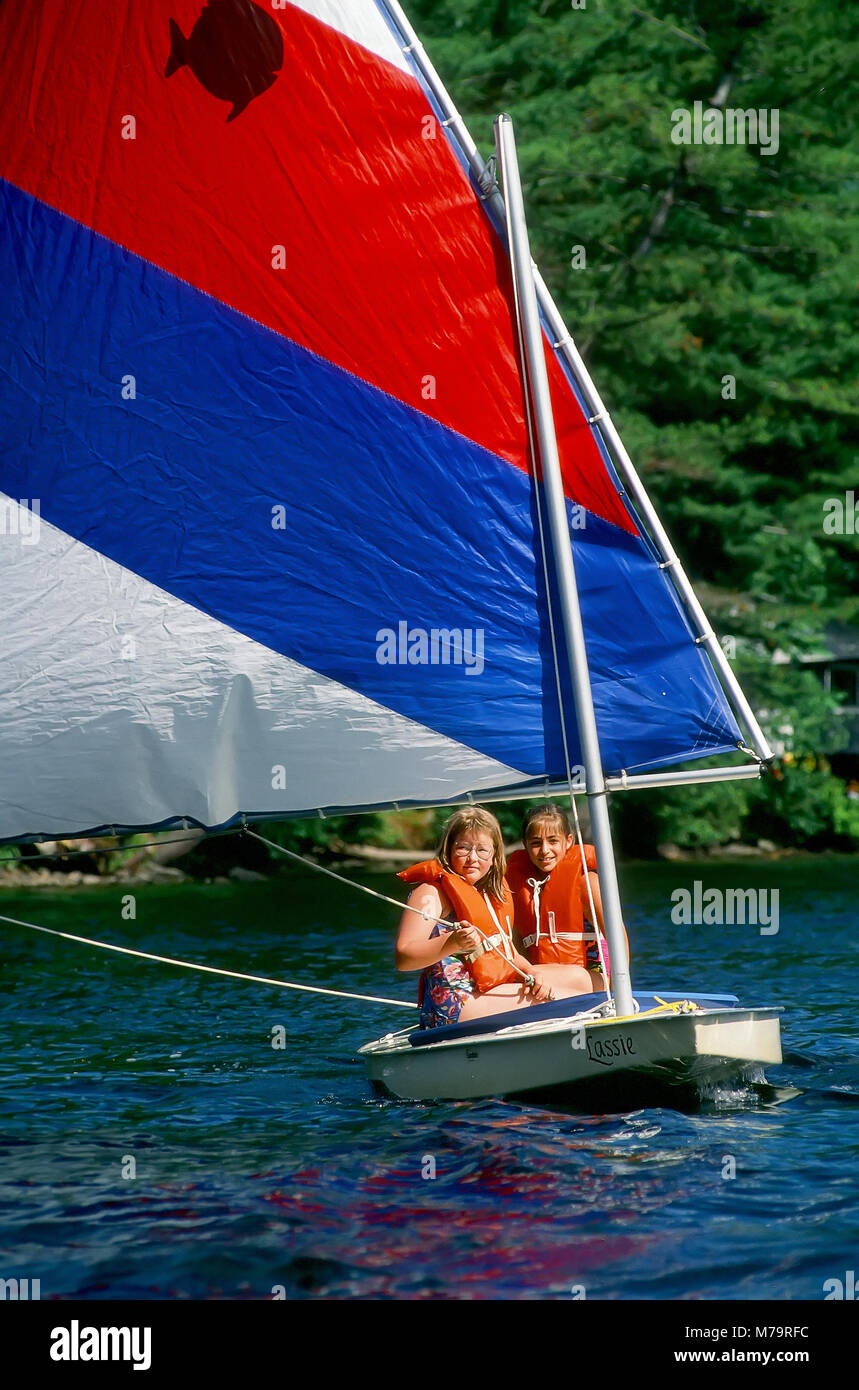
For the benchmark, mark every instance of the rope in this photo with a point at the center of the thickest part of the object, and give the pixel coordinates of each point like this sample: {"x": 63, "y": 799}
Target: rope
{"x": 599, "y": 938}
{"x": 606, "y": 974}
{"x": 264, "y": 979}
{"x": 340, "y": 878}
{"x": 209, "y": 969}
{"x": 383, "y": 897}
{"x": 677, "y": 1006}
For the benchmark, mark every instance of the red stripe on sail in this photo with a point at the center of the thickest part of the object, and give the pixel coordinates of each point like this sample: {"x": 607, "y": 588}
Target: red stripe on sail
{"x": 389, "y": 268}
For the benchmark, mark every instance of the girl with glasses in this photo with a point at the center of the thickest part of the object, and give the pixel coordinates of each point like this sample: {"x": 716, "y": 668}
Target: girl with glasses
{"x": 472, "y": 967}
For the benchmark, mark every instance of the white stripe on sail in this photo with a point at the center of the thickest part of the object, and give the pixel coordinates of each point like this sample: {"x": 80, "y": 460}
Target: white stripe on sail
{"x": 362, "y": 21}
{"x": 121, "y": 704}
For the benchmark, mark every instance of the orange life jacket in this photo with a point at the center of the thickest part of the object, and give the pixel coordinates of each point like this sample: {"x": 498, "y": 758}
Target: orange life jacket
{"x": 549, "y": 912}
{"x": 492, "y": 916}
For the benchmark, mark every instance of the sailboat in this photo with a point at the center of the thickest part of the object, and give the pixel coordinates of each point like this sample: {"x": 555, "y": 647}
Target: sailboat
{"x": 310, "y": 504}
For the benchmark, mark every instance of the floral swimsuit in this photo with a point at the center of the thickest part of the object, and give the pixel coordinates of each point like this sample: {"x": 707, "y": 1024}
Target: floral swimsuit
{"x": 444, "y": 987}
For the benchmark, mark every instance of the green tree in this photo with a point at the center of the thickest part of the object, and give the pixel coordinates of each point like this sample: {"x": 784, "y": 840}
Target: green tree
{"x": 715, "y": 303}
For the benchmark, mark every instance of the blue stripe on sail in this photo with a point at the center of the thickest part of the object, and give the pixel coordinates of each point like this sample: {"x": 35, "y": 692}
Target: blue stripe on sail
{"x": 388, "y": 517}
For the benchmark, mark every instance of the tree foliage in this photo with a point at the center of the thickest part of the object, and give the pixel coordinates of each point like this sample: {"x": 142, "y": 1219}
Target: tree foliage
{"x": 716, "y": 305}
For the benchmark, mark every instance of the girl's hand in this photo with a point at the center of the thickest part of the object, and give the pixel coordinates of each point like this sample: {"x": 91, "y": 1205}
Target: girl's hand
{"x": 541, "y": 990}
{"x": 463, "y": 940}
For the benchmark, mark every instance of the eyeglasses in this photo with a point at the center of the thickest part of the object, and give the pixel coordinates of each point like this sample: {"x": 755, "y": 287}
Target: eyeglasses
{"x": 467, "y": 850}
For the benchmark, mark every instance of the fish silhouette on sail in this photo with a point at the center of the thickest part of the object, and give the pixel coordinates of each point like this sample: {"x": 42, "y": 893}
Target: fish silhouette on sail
{"x": 235, "y": 51}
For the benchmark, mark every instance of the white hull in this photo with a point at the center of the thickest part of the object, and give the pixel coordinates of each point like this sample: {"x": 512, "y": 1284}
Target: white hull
{"x": 564, "y": 1056}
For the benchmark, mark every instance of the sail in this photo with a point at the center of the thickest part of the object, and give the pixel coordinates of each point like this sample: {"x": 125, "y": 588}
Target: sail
{"x": 269, "y": 539}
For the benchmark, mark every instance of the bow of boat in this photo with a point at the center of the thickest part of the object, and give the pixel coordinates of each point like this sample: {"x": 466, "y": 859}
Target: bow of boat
{"x": 678, "y": 1043}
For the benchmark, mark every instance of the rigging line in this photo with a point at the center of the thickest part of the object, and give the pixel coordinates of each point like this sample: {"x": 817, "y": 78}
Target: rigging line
{"x": 208, "y": 969}
{"x": 598, "y": 934}
{"x": 531, "y": 432}
{"x": 574, "y": 807}
{"x": 543, "y": 555}
{"x": 340, "y": 878}
{"x": 383, "y": 897}
{"x": 606, "y": 974}
{"x": 532, "y": 451}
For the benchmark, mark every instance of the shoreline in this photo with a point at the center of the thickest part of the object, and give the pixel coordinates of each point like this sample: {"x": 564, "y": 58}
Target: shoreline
{"x": 371, "y": 856}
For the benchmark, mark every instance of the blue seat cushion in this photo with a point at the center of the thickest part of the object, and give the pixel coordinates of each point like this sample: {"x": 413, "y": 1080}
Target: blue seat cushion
{"x": 558, "y": 1008}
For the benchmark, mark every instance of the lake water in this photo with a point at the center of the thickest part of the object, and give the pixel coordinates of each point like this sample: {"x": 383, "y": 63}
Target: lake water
{"x": 258, "y": 1169}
